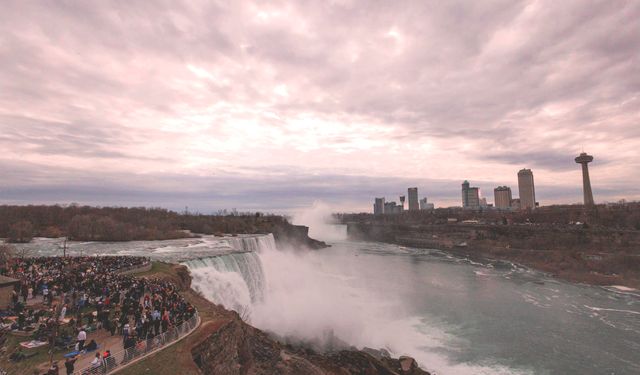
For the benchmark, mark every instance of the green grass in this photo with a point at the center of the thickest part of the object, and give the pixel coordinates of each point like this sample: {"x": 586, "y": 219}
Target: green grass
{"x": 157, "y": 268}
{"x": 167, "y": 361}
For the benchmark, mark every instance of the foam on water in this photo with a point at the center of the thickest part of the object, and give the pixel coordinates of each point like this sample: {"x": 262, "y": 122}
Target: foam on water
{"x": 624, "y": 288}
{"x": 165, "y": 250}
{"x": 612, "y": 310}
{"x": 304, "y": 299}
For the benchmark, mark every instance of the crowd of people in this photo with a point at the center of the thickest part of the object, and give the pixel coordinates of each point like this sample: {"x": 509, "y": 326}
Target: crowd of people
{"x": 81, "y": 295}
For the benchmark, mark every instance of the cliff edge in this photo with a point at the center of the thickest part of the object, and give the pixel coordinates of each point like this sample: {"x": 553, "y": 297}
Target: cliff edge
{"x": 237, "y": 348}
{"x": 296, "y": 236}
{"x": 226, "y": 345}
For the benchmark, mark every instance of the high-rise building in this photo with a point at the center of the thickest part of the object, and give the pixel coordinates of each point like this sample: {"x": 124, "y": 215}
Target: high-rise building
{"x": 402, "y": 199}
{"x": 470, "y": 196}
{"x": 413, "y": 199}
{"x": 465, "y": 189}
{"x": 425, "y": 205}
{"x": 585, "y": 159}
{"x": 378, "y": 207}
{"x": 502, "y": 197}
{"x": 526, "y": 189}
{"x": 515, "y": 204}
{"x": 392, "y": 208}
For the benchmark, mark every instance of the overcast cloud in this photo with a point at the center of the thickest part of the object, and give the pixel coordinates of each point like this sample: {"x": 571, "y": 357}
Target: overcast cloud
{"x": 272, "y": 105}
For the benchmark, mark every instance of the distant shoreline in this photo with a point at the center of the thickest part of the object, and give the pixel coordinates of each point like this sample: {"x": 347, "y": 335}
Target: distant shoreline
{"x": 584, "y": 261}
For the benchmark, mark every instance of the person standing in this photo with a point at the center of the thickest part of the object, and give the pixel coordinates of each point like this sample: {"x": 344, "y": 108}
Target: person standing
{"x": 125, "y": 332}
{"x": 109, "y": 360}
{"x": 45, "y": 295}
{"x": 156, "y": 322}
{"x": 129, "y": 345}
{"x": 165, "y": 321}
{"x": 114, "y": 326}
{"x": 25, "y": 293}
{"x": 82, "y": 337}
{"x": 69, "y": 364}
{"x": 63, "y": 312}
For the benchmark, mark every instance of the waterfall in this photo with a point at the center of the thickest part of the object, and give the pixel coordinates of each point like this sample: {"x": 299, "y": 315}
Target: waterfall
{"x": 235, "y": 280}
{"x": 252, "y": 243}
{"x": 322, "y": 299}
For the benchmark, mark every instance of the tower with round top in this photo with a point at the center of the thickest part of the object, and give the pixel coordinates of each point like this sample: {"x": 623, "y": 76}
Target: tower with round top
{"x": 585, "y": 159}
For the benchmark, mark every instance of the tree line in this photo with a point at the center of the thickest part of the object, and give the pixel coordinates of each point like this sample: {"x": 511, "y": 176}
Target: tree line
{"x": 624, "y": 216}
{"x": 86, "y": 223}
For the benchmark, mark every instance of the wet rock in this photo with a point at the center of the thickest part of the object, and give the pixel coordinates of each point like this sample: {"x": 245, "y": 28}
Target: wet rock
{"x": 296, "y": 236}
{"x": 377, "y": 353}
{"x": 237, "y": 348}
{"x": 407, "y": 364}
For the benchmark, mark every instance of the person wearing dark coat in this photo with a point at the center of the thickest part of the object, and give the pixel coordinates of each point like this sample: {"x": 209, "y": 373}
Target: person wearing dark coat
{"x": 69, "y": 364}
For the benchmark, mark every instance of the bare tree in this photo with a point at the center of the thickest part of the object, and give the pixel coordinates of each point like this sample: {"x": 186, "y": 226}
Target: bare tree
{"x": 21, "y": 231}
{"x": 6, "y": 253}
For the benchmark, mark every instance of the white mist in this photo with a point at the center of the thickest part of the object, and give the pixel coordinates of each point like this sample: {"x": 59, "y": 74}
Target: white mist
{"x": 321, "y": 225}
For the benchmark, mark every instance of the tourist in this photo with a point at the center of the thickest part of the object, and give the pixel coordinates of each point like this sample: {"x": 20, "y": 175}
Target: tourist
{"x": 53, "y": 370}
{"x": 165, "y": 321}
{"x": 156, "y": 321}
{"x": 91, "y": 346}
{"x": 115, "y": 326}
{"x": 109, "y": 360}
{"x": 25, "y": 293}
{"x": 63, "y": 312}
{"x": 69, "y": 364}
{"x": 88, "y": 287}
{"x": 97, "y": 361}
{"x": 82, "y": 337}
{"x": 125, "y": 332}
{"x": 45, "y": 295}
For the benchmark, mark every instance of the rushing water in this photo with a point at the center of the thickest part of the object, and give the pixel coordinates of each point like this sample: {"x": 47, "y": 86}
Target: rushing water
{"x": 453, "y": 315}
{"x": 167, "y": 250}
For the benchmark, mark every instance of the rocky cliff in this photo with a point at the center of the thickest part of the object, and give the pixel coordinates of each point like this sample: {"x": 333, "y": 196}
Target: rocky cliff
{"x": 237, "y": 348}
{"x": 226, "y": 345}
{"x": 602, "y": 256}
{"x": 296, "y": 236}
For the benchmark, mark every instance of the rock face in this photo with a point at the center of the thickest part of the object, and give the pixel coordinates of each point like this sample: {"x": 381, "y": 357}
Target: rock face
{"x": 600, "y": 256}
{"x": 407, "y": 364}
{"x": 239, "y": 349}
{"x": 296, "y": 236}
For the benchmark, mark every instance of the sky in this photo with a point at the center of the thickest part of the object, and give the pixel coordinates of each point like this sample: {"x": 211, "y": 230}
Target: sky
{"x": 272, "y": 106}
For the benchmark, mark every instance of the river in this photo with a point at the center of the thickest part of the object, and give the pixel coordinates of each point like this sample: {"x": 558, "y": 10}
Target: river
{"x": 453, "y": 315}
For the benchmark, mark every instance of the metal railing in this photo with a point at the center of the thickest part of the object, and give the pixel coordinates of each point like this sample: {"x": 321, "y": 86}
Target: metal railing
{"x": 142, "y": 348}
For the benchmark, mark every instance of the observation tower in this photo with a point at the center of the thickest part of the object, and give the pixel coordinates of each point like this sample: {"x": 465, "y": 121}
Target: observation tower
{"x": 585, "y": 159}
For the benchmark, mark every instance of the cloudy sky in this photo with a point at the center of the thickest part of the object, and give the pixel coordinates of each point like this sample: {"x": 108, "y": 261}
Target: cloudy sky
{"x": 274, "y": 105}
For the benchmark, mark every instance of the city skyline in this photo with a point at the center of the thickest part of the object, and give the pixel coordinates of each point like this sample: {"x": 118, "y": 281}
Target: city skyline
{"x": 472, "y": 198}
{"x": 271, "y": 107}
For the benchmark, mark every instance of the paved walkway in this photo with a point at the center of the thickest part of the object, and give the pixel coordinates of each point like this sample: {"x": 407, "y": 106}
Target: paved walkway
{"x": 105, "y": 342}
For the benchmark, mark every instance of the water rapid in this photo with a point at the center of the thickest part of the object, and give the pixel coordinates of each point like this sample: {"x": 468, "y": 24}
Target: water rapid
{"x": 454, "y": 316}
